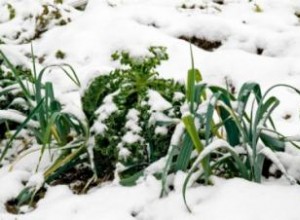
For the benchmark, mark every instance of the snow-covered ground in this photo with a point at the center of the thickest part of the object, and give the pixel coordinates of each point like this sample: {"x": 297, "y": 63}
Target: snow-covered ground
{"x": 235, "y": 199}
{"x": 260, "y": 41}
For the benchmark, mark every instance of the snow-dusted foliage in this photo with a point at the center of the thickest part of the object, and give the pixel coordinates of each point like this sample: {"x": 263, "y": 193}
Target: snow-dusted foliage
{"x": 233, "y": 42}
{"x": 24, "y": 21}
{"x": 133, "y": 114}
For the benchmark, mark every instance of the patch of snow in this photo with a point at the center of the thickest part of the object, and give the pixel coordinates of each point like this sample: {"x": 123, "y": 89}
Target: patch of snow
{"x": 232, "y": 198}
{"x": 130, "y": 138}
{"x": 11, "y": 183}
{"x": 36, "y": 180}
{"x": 161, "y": 130}
{"x": 16, "y": 116}
{"x": 103, "y": 112}
{"x": 178, "y": 96}
{"x": 157, "y": 102}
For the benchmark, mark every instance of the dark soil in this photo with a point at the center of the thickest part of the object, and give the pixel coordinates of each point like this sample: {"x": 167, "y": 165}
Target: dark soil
{"x": 259, "y": 51}
{"x": 287, "y": 116}
{"x": 76, "y": 178}
{"x": 220, "y": 2}
{"x": 203, "y": 43}
{"x": 12, "y": 206}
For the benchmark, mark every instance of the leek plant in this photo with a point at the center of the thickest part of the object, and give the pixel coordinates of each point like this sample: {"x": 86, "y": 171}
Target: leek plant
{"x": 52, "y": 128}
{"x": 237, "y": 142}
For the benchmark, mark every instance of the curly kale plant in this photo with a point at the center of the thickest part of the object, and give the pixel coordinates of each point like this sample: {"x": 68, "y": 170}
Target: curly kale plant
{"x": 132, "y": 113}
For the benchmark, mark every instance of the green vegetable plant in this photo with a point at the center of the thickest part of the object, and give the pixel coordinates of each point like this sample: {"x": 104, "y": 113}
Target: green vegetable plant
{"x": 226, "y": 138}
{"x": 208, "y": 131}
{"x": 12, "y": 11}
{"x": 52, "y": 128}
{"x": 136, "y": 121}
{"x": 131, "y": 130}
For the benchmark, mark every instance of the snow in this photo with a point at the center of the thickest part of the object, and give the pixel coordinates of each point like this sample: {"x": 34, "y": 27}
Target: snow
{"x": 103, "y": 112}
{"x": 159, "y": 116}
{"x": 110, "y": 25}
{"x": 290, "y": 159}
{"x": 36, "y": 180}
{"x": 224, "y": 201}
{"x": 156, "y": 167}
{"x": 272, "y": 156}
{"x": 178, "y": 96}
{"x": 161, "y": 130}
{"x": 132, "y": 121}
{"x": 132, "y": 134}
{"x": 13, "y": 115}
{"x": 130, "y": 138}
{"x": 29, "y": 159}
{"x": 177, "y": 135}
{"x": 157, "y": 102}
{"x": 11, "y": 184}
{"x": 232, "y": 199}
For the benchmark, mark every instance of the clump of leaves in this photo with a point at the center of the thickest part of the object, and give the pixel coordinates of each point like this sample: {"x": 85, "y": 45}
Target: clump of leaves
{"x": 132, "y": 113}
{"x": 58, "y": 1}
{"x": 212, "y": 7}
{"x": 258, "y": 8}
{"x": 60, "y": 54}
{"x": 50, "y": 15}
{"x": 12, "y": 11}
{"x": 47, "y": 16}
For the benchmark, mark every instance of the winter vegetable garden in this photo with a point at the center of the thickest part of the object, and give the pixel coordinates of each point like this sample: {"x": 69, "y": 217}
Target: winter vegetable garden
{"x": 149, "y": 109}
